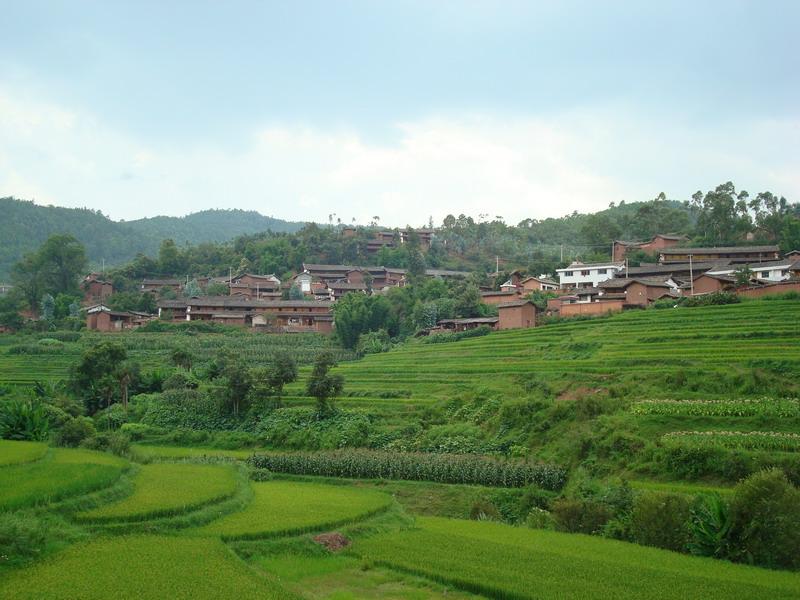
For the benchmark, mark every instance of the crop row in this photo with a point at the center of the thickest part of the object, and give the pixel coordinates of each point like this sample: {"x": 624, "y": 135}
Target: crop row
{"x": 443, "y": 468}
{"x": 771, "y": 407}
{"x": 774, "y": 441}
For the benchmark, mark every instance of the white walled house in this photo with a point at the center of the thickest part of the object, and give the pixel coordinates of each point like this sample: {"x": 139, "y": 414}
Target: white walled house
{"x": 778, "y": 270}
{"x": 580, "y": 275}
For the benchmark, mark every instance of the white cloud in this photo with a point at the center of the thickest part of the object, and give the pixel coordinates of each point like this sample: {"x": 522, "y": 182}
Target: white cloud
{"x": 514, "y": 166}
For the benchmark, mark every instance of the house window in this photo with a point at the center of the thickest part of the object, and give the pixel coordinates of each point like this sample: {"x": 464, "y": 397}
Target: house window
{"x": 584, "y": 273}
{"x": 567, "y": 273}
{"x": 602, "y": 271}
{"x": 764, "y": 274}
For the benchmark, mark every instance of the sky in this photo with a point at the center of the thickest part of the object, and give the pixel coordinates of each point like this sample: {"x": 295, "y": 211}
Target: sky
{"x": 402, "y": 110}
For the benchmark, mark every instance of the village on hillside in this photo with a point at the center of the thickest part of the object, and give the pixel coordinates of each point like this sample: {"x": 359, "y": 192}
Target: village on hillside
{"x": 304, "y": 302}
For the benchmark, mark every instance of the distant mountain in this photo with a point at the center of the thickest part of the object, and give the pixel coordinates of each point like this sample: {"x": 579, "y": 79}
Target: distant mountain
{"x": 25, "y": 225}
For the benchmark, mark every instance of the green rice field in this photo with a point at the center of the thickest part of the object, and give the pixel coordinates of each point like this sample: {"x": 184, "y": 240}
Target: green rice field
{"x": 163, "y": 489}
{"x": 61, "y": 474}
{"x": 138, "y": 568}
{"x": 501, "y": 561}
{"x": 12, "y": 452}
{"x": 282, "y": 507}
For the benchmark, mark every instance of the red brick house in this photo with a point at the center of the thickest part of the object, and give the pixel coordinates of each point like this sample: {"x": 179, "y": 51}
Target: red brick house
{"x": 518, "y": 314}
{"x": 96, "y": 289}
{"x": 102, "y": 318}
{"x": 656, "y": 243}
{"x": 734, "y": 254}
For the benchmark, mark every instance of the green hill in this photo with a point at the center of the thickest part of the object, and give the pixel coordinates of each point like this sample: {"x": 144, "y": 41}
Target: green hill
{"x": 25, "y": 225}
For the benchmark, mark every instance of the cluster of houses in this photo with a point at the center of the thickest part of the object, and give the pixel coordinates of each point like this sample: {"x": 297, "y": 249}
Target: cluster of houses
{"x": 259, "y": 301}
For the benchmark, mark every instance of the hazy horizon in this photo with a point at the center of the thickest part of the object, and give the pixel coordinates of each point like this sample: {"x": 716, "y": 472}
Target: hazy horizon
{"x": 405, "y": 110}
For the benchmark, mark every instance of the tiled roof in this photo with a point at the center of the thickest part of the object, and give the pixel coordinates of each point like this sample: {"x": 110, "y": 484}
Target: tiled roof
{"x": 720, "y": 250}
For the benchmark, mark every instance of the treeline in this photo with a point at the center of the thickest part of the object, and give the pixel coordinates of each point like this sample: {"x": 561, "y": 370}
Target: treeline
{"x": 25, "y": 225}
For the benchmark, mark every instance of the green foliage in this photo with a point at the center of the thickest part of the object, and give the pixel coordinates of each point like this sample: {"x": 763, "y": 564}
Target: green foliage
{"x": 443, "y": 468}
{"x": 712, "y": 299}
{"x": 765, "y": 521}
{"x": 75, "y": 431}
{"x": 660, "y": 519}
{"x": 709, "y": 527}
{"x": 24, "y": 419}
{"x": 322, "y": 385}
{"x": 443, "y": 338}
{"x": 25, "y": 536}
{"x": 580, "y": 515}
{"x": 94, "y": 377}
{"x": 357, "y": 314}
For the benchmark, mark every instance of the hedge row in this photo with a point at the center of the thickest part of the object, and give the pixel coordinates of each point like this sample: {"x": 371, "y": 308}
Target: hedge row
{"x": 443, "y": 468}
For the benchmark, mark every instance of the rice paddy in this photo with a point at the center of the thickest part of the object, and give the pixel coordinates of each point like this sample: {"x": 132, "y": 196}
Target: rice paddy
{"x": 140, "y": 568}
{"x": 165, "y": 489}
{"x": 13, "y": 452}
{"x": 61, "y": 474}
{"x": 501, "y": 561}
{"x": 284, "y": 507}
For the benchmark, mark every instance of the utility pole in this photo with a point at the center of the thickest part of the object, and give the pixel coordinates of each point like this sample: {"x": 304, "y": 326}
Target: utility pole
{"x": 497, "y": 264}
{"x": 691, "y": 274}
{"x": 562, "y": 253}
{"x": 104, "y": 265}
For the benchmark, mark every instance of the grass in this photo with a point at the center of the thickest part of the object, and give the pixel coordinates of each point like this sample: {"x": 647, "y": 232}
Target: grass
{"x": 141, "y": 568}
{"x": 63, "y": 473}
{"x": 165, "y": 489}
{"x": 145, "y": 453}
{"x": 13, "y": 452}
{"x": 342, "y": 577}
{"x": 289, "y": 507}
{"x": 501, "y": 561}
{"x": 679, "y": 487}
{"x": 152, "y": 350}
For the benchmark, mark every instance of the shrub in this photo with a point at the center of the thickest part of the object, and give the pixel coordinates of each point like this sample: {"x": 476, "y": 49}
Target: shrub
{"x": 539, "y": 519}
{"x": 139, "y": 431}
{"x": 660, "y": 519}
{"x": 25, "y": 536}
{"x": 580, "y": 516}
{"x": 75, "y": 431}
{"x": 116, "y": 442}
{"x": 709, "y": 527}
{"x": 260, "y": 474}
{"x": 765, "y": 521}
{"x": 24, "y": 420}
{"x": 179, "y": 381}
{"x": 484, "y": 510}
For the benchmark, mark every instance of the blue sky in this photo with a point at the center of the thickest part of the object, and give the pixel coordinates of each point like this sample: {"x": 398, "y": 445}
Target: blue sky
{"x": 403, "y": 110}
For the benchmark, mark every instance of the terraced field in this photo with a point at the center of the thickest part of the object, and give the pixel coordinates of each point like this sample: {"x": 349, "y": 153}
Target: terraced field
{"x": 60, "y": 474}
{"x": 284, "y": 507}
{"x": 500, "y": 561}
{"x": 165, "y": 489}
{"x": 153, "y": 350}
{"x": 648, "y": 347}
{"x": 385, "y": 553}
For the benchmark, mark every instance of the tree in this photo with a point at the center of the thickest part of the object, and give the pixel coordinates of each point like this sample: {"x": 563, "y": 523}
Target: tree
{"x": 63, "y": 260}
{"x": 94, "y": 377}
{"x": 181, "y": 358}
{"x": 169, "y": 259}
{"x": 322, "y": 385}
{"x": 295, "y": 293}
{"x": 238, "y": 383}
{"x": 743, "y": 275}
{"x": 357, "y": 313}
{"x": 192, "y": 289}
{"x": 48, "y": 308}
{"x": 126, "y": 373}
{"x": 282, "y": 371}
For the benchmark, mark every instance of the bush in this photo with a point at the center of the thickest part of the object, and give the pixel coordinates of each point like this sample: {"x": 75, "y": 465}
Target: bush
{"x": 580, "y": 516}
{"x": 539, "y": 519}
{"x": 709, "y": 527}
{"x": 484, "y": 510}
{"x": 139, "y": 431}
{"x": 25, "y": 536}
{"x": 661, "y": 519}
{"x": 179, "y": 381}
{"x": 765, "y": 521}
{"x": 117, "y": 443}
{"x": 24, "y": 420}
{"x": 260, "y": 474}
{"x": 75, "y": 431}
{"x": 444, "y": 338}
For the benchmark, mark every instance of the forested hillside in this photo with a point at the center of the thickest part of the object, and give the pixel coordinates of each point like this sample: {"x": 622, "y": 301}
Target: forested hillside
{"x": 25, "y": 225}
